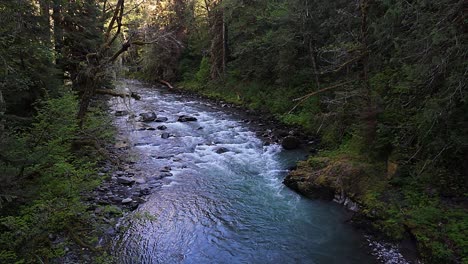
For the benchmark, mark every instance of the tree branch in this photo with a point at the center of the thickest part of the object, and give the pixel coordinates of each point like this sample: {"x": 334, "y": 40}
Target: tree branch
{"x": 307, "y": 96}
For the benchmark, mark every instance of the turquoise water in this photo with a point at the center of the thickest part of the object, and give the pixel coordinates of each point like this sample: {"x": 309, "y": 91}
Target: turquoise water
{"x": 223, "y": 208}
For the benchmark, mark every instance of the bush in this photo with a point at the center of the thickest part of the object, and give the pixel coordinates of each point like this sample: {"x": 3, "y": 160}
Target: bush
{"x": 52, "y": 177}
{"x": 203, "y": 74}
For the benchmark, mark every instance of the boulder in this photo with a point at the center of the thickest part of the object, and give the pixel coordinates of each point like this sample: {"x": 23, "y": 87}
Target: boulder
{"x": 142, "y": 126}
{"x": 165, "y": 174}
{"x": 148, "y": 117}
{"x": 161, "y": 119}
{"x": 166, "y": 169}
{"x": 162, "y": 127}
{"x": 221, "y": 150}
{"x": 186, "y": 118}
{"x": 127, "y": 200}
{"x": 140, "y": 181}
{"x": 125, "y": 180}
{"x": 121, "y": 113}
{"x": 145, "y": 191}
{"x": 165, "y": 135}
{"x": 339, "y": 178}
{"x": 290, "y": 143}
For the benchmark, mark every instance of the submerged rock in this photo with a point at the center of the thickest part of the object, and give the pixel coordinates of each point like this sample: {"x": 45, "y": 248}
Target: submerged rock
{"x": 186, "y": 118}
{"x": 166, "y": 169}
{"x": 162, "y": 127}
{"x": 121, "y": 113}
{"x": 142, "y": 126}
{"x": 165, "y": 135}
{"x": 165, "y": 174}
{"x": 221, "y": 150}
{"x": 161, "y": 119}
{"x": 290, "y": 143}
{"x": 148, "y": 117}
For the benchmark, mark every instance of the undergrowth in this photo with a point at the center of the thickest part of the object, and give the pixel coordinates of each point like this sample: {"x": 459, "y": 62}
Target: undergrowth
{"x": 400, "y": 202}
{"x": 46, "y": 168}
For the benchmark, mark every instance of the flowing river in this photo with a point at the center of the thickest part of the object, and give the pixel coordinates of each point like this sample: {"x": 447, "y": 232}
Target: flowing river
{"x": 226, "y": 206}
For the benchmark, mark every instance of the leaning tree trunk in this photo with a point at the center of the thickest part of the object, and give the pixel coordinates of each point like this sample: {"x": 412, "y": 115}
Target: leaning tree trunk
{"x": 87, "y": 82}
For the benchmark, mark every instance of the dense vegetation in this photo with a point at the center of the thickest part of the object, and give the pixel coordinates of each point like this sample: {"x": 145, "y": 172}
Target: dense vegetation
{"x": 381, "y": 82}
{"x": 47, "y": 158}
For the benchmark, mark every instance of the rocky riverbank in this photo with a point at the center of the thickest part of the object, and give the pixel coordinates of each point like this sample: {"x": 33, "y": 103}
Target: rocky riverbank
{"x": 125, "y": 186}
{"x": 342, "y": 180}
{"x": 345, "y": 181}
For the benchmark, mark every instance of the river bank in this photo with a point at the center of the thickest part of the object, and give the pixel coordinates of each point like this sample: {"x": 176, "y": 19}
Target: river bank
{"x": 329, "y": 186}
{"x": 126, "y": 189}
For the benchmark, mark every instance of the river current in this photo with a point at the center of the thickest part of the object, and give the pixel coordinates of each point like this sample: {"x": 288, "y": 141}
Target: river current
{"x": 226, "y": 206}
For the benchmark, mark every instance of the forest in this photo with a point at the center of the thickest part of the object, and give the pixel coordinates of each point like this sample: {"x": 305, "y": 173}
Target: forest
{"x": 381, "y": 85}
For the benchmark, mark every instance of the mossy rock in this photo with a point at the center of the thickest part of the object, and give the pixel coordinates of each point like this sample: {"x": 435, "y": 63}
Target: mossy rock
{"x": 323, "y": 177}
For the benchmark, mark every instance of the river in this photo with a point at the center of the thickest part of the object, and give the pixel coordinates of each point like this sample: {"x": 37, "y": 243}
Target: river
{"x": 224, "y": 201}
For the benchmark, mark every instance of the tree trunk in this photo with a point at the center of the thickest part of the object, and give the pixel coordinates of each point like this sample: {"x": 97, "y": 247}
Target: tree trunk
{"x": 2, "y": 112}
{"x": 58, "y": 31}
{"x": 369, "y": 112}
{"x": 314, "y": 63}
{"x": 45, "y": 7}
{"x": 218, "y": 42}
{"x": 86, "y": 80}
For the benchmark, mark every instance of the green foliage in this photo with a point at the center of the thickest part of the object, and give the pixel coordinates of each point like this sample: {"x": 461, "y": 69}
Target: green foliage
{"x": 203, "y": 73}
{"x": 26, "y": 69}
{"x": 440, "y": 231}
{"x": 55, "y": 178}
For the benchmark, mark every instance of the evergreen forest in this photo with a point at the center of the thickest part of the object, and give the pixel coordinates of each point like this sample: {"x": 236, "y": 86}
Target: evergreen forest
{"x": 380, "y": 85}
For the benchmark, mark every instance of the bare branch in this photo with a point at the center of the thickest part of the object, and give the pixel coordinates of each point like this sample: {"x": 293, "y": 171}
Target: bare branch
{"x": 307, "y": 96}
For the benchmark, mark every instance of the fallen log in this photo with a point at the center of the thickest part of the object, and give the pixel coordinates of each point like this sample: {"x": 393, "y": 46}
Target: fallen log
{"x": 166, "y": 83}
{"x": 119, "y": 94}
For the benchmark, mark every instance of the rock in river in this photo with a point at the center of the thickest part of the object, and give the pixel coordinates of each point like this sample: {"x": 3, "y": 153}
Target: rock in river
{"x": 165, "y": 135}
{"x": 290, "y": 143}
{"x": 148, "y": 117}
{"x": 121, "y": 113}
{"x": 125, "y": 180}
{"x": 186, "y": 118}
{"x": 127, "y": 201}
{"x": 221, "y": 150}
{"x": 161, "y": 119}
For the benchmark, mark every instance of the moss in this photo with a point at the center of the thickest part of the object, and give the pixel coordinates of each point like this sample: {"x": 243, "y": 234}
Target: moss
{"x": 439, "y": 229}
